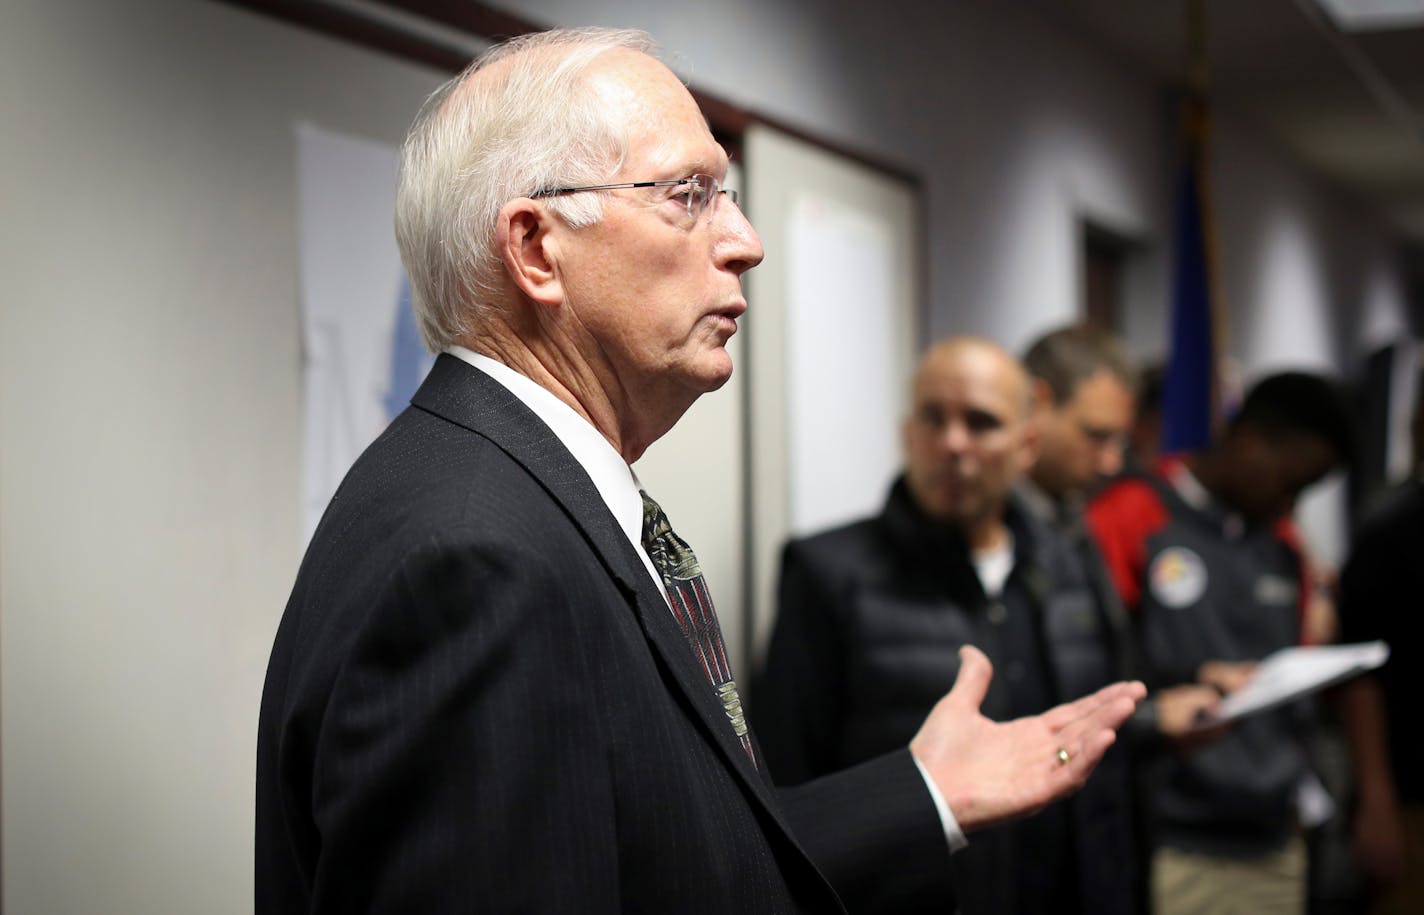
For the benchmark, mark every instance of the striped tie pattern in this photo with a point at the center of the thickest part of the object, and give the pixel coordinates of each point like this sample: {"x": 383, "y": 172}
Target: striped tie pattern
{"x": 692, "y": 608}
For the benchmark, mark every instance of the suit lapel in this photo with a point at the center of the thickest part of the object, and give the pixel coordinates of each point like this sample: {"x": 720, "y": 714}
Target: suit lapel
{"x": 460, "y": 393}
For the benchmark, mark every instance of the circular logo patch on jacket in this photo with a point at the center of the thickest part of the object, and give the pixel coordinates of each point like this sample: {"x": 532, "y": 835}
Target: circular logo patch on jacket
{"x": 1177, "y": 577}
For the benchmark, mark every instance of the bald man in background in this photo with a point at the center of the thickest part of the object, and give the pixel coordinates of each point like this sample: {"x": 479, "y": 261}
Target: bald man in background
{"x": 873, "y": 615}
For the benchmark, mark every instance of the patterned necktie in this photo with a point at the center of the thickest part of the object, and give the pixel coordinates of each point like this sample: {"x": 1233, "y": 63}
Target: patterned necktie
{"x": 692, "y": 607}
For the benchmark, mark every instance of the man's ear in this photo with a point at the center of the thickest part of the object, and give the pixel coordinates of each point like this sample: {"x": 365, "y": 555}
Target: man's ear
{"x": 1041, "y": 395}
{"x": 1032, "y": 442}
{"x": 529, "y": 252}
{"x": 1041, "y": 406}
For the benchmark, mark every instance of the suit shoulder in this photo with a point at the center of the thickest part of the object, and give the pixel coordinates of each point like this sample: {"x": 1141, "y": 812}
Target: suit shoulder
{"x": 433, "y": 496}
{"x": 425, "y": 474}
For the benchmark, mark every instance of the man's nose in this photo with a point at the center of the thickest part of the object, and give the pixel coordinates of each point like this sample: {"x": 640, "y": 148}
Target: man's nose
{"x": 1110, "y": 458}
{"x": 954, "y": 438}
{"x": 739, "y": 246}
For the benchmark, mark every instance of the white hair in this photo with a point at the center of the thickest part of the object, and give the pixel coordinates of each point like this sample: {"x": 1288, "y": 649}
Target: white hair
{"x": 479, "y": 143}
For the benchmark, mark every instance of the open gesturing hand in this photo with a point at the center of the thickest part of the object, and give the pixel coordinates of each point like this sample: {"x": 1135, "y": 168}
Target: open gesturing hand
{"x": 990, "y": 772}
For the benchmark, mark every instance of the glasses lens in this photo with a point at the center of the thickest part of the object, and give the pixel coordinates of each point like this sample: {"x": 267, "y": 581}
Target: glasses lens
{"x": 699, "y": 193}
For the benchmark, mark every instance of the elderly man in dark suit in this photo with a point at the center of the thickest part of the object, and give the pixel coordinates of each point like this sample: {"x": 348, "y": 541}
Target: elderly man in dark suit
{"x": 499, "y": 684}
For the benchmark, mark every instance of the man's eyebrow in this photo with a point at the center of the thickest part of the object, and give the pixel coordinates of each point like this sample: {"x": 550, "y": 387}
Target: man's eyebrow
{"x": 694, "y": 165}
{"x": 985, "y": 415}
{"x": 721, "y": 162}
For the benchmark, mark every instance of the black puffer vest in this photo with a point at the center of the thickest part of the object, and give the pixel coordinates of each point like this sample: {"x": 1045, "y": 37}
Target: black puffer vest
{"x": 915, "y": 598}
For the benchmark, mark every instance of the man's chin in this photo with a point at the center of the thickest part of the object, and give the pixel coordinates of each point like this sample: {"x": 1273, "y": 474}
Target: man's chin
{"x": 715, "y": 372}
{"x": 950, "y": 512}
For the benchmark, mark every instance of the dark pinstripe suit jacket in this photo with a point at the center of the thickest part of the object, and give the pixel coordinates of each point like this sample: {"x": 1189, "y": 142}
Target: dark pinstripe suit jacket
{"x": 478, "y": 701}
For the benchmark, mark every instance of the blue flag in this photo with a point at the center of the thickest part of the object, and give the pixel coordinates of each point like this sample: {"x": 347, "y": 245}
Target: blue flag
{"x": 1187, "y": 384}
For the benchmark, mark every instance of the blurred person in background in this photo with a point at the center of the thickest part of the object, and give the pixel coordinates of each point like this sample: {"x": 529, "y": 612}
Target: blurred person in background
{"x": 1381, "y": 588}
{"x": 1213, "y": 578}
{"x": 873, "y": 617}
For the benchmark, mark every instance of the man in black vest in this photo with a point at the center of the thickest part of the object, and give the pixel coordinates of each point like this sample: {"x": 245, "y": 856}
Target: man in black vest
{"x": 873, "y": 617}
{"x": 1209, "y": 568}
{"x": 1084, "y": 390}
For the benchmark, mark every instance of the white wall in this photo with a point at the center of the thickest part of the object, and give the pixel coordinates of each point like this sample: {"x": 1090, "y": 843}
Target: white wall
{"x": 149, "y": 430}
{"x": 1017, "y": 131}
{"x": 1308, "y": 282}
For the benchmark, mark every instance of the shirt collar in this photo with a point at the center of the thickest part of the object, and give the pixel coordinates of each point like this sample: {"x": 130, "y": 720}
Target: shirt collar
{"x": 1191, "y": 491}
{"x": 611, "y": 475}
{"x": 1061, "y": 514}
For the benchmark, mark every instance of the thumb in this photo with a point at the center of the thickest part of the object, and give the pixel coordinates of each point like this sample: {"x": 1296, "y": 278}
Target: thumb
{"x": 972, "y": 683}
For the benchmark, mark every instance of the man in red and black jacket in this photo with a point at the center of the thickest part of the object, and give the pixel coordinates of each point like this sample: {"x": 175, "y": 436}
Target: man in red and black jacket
{"x": 1210, "y": 569}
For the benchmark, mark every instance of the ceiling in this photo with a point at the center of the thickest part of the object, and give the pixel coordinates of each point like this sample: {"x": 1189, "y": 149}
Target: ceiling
{"x": 1349, "y": 105}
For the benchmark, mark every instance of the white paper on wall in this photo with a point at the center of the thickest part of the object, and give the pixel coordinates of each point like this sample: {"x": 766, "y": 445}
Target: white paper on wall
{"x": 362, "y": 355}
{"x": 842, "y": 363}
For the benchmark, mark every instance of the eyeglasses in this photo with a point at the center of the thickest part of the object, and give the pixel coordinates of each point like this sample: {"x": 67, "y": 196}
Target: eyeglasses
{"x": 700, "y": 191}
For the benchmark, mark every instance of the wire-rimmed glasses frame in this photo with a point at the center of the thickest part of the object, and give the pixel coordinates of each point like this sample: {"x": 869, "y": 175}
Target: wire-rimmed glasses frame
{"x": 702, "y": 190}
